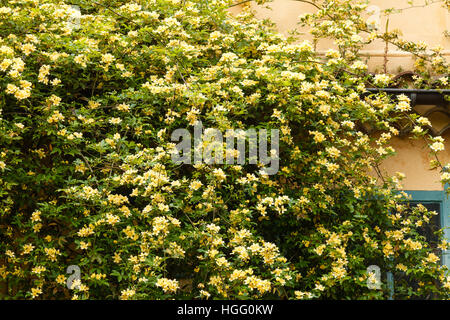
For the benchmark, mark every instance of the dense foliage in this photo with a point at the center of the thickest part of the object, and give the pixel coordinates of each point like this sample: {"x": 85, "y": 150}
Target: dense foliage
{"x": 87, "y": 178}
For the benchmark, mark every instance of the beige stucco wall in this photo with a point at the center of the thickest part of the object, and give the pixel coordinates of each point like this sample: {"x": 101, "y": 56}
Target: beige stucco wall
{"x": 417, "y": 24}
{"x": 413, "y": 159}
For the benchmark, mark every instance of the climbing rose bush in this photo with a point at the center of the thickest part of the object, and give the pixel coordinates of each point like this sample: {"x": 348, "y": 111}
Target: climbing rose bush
{"x": 88, "y": 105}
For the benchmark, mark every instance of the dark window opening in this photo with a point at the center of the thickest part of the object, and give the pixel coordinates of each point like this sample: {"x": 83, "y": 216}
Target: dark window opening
{"x": 429, "y": 231}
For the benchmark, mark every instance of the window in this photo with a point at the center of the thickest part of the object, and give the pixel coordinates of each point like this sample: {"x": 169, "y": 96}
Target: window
{"x": 435, "y": 201}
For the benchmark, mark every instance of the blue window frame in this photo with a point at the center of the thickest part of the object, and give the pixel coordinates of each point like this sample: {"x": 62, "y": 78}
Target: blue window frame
{"x": 442, "y": 200}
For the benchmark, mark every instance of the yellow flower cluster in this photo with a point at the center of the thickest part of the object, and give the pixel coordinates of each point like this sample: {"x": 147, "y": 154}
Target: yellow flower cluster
{"x": 167, "y": 285}
{"x": 87, "y": 166}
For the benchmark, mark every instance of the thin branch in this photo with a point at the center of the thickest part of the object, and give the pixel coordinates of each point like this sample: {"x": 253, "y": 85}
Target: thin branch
{"x": 386, "y": 47}
{"x": 239, "y": 3}
{"x": 417, "y": 6}
{"x": 309, "y": 2}
{"x": 117, "y": 14}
